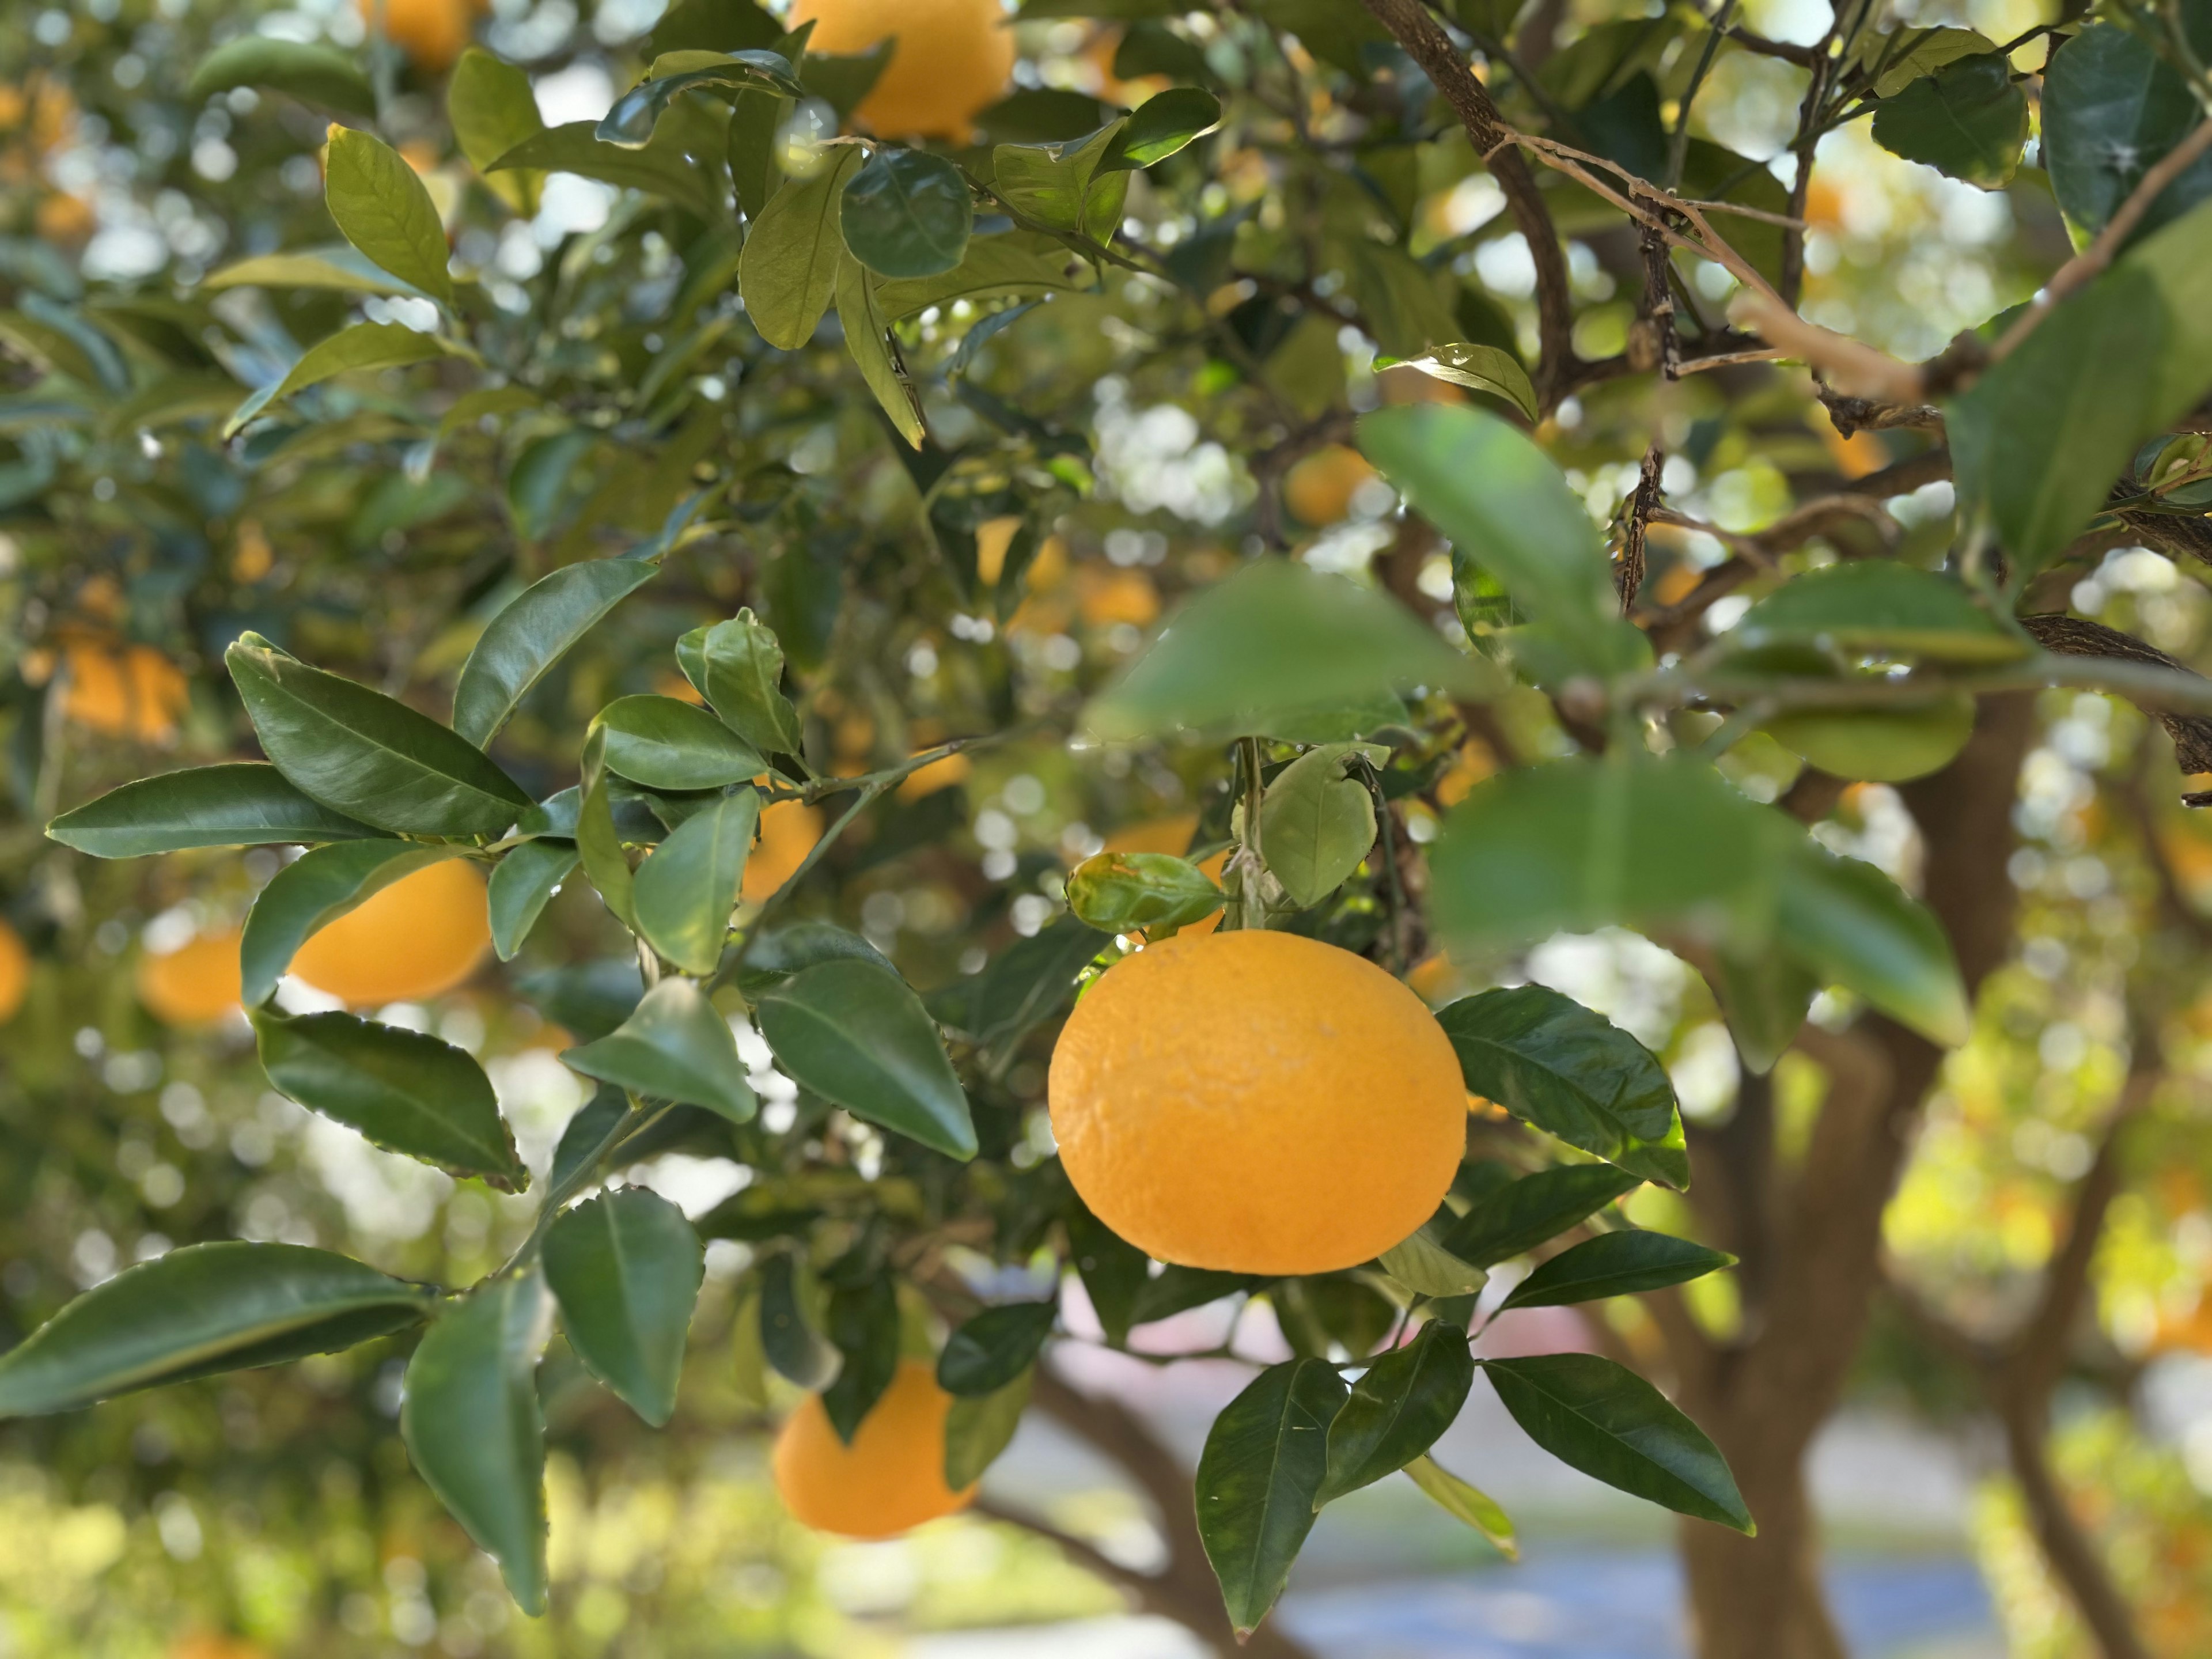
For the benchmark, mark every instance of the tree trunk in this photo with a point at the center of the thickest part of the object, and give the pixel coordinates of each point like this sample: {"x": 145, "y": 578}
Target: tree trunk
{"x": 1760, "y": 1598}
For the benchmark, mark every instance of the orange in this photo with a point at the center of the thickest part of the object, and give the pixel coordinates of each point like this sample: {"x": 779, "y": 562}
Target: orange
{"x": 196, "y": 984}
{"x": 940, "y": 774}
{"x": 1319, "y": 488}
{"x": 1107, "y": 596}
{"x": 992, "y": 537}
{"x": 208, "y": 1646}
{"x": 788, "y": 830}
{"x": 1256, "y": 1102}
{"x": 953, "y": 57}
{"x": 419, "y": 937}
{"x": 14, "y": 972}
{"x": 890, "y": 1479}
{"x": 432, "y": 33}
{"x": 136, "y": 692}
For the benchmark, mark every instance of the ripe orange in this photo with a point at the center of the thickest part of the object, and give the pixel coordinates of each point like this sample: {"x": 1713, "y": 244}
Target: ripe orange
{"x": 1256, "y": 1102}
{"x": 953, "y": 56}
{"x": 992, "y": 537}
{"x": 209, "y": 1646}
{"x": 1106, "y": 596}
{"x": 432, "y": 33}
{"x": 136, "y": 692}
{"x": 419, "y": 937}
{"x": 890, "y": 1479}
{"x": 788, "y": 830}
{"x": 940, "y": 774}
{"x": 196, "y": 984}
{"x": 1320, "y": 487}
{"x": 14, "y": 972}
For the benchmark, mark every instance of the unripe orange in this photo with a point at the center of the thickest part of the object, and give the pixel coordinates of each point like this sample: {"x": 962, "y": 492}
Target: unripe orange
{"x": 196, "y": 984}
{"x": 1257, "y": 1102}
{"x": 952, "y": 58}
{"x": 418, "y": 938}
{"x": 890, "y": 1479}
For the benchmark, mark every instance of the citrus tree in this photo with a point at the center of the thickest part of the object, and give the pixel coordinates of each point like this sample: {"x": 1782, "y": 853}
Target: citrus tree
{"x": 628, "y": 542}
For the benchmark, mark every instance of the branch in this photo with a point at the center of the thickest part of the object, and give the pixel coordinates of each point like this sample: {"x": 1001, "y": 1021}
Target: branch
{"x": 2077, "y": 636}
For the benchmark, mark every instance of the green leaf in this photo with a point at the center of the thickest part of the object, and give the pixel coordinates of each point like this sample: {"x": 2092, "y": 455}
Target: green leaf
{"x": 532, "y": 633}
{"x": 1851, "y": 925}
{"x": 1615, "y": 1264}
{"x": 866, "y": 326}
{"x": 366, "y": 755}
{"x": 630, "y": 122}
{"x": 1316, "y": 824}
{"x": 522, "y": 886}
{"x": 1502, "y": 501}
{"x": 1605, "y": 1420}
{"x": 1059, "y": 185}
{"x": 491, "y": 109}
{"x": 1516, "y": 1218}
{"x": 792, "y": 1346}
{"x": 1401, "y": 299}
{"x": 1026, "y": 983}
{"x": 1764, "y": 998}
{"x": 842, "y": 79}
{"x": 1424, "y": 1263}
{"x": 1114, "y": 1271}
{"x": 625, "y": 1268}
{"x": 240, "y": 803}
{"x": 1479, "y": 369}
{"x": 1276, "y": 640}
{"x": 1467, "y": 1505}
{"x": 666, "y": 745}
{"x": 2113, "y": 108}
{"x": 403, "y": 1090}
{"x": 687, "y": 888}
{"x": 198, "y": 1311}
{"x": 857, "y": 1036}
{"x": 1629, "y": 841}
{"x": 788, "y": 272}
{"x": 863, "y": 1322}
{"x": 336, "y": 266}
{"x": 470, "y": 1419}
{"x": 2174, "y": 259}
{"x": 386, "y": 211}
{"x": 1573, "y": 1073}
{"x": 994, "y": 1348}
{"x": 598, "y": 841}
{"x": 977, "y": 1430}
{"x": 315, "y": 73}
{"x": 1014, "y": 263}
{"x": 907, "y": 213}
{"x": 1121, "y": 892}
{"x": 773, "y": 957}
{"x": 1879, "y": 607}
{"x": 658, "y": 170}
{"x": 585, "y": 1135}
{"x": 362, "y": 346}
{"x": 1161, "y": 125}
{"x": 674, "y": 1046}
{"x": 313, "y": 892}
{"x": 1968, "y": 121}
{"x": 1396, "y": 1411}
{"x": 1929, "y": 50}
{"x": 737, "y": 666}
{"x": 1265, "y": 1459}
{"x": 2037, "y": 441}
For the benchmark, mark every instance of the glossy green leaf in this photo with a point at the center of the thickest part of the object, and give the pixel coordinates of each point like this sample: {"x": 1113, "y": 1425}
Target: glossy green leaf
{"x": 2113, "y": 108}
{"x": 674, "y": 1046}
{"x": 737, "y": 666}
{"x": 1396, "y": 1411}
{"x": 1968, "y": 120}
{"x": 471, "y": 1418}
{"x": 1114, "y": 1271}
{"x": 977, "y": 1430}
{"x": 629, "y": 123}
{"x": 1121, "y": 892}
{"x": 313, "y": 892}
{"x": 522, "y": 886}
{"x": 1177, "y": 1289}
{"x": 1162, "y": 124}
{"x": 316, "y": 73}
{"x": 995, "y": 1347}
{"x": 1615, "y": 1264}
{"x": 685, "y": 890}
{"x": 1059, "y": 186}
{"x": 1011, "y": 265}
{"x": 491, "y": 109}
{"x": 362, "y": 346}
{"x": 1851, "y": 925}
{"x": 383, "y": 209}
{"x": 1573, "y": 1073}
{"x": 664, "y": 743}
{"x": 1879, "y": 607}
{"x": 198, "y": 1310}
{"x": 862, "y": 1320}
{"x": 1026, "y": 983}
{"x": 1478, "y": 368}
{"x": 586, "y": 1135}
{"x": 1277, "y": 639}
{"x": 866, "y": 326}
{"x": 238, "y": 804}
{"x": 788, "y": 272}
{"x": 907, "y": 213}
{"x": 366, "y": 755}
{"x": 1424, "y": 1262}
{"x": 660, "y": 169}
{"x": 798, "y": 1352}
{"x": 1514, "y": 1219}
{"x": 1264, "y": 1463}
{"x": 774, "y": 957}
{"x": 1317, "y": 822}
{"x": 1503, "y": 503}
{"x": 1609, "y": 1423}
{"x": 625, "y": 1267}
{"x": 1467, "y": 1504}
{"x": 532, "y": 633}
{"x": 857, "y": 1036}
{"x": 338, "y": 265}
{"x": 403, "y": 1091}
{"x": 598, "y": 839}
